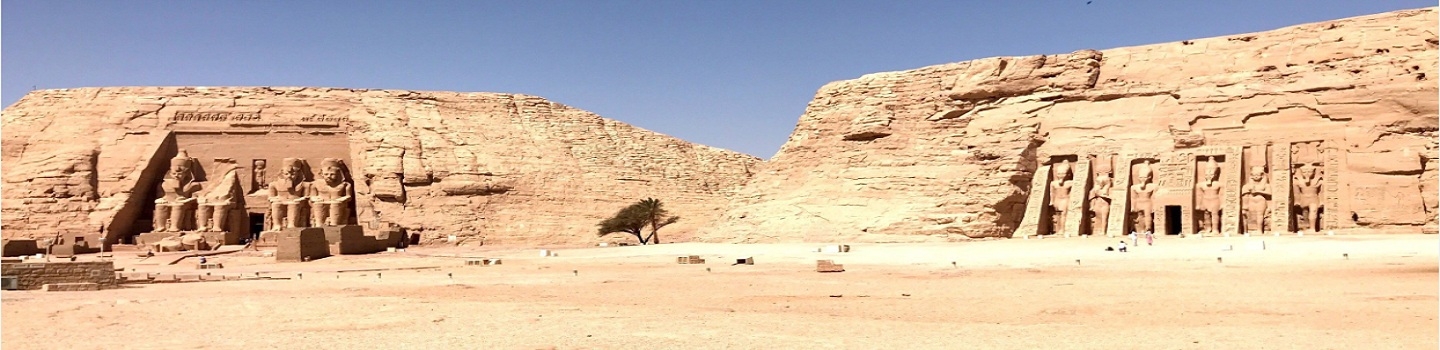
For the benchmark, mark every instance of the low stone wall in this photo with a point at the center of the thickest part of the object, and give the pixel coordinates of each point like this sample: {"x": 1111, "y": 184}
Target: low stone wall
{"x": 34, "y": 275}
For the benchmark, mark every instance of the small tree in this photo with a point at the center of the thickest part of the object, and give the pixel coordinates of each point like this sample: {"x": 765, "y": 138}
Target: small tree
{"x": 633, "y": 219}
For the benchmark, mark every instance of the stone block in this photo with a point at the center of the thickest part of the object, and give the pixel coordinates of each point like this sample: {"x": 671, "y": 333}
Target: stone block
{"x": 691, "y": 259}
{"x": 301, "y": 244}
{"x": 828, "y": 266}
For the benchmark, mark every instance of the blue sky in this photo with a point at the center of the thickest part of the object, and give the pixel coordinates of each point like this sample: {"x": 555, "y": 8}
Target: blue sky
{"x": 731, "y": 74}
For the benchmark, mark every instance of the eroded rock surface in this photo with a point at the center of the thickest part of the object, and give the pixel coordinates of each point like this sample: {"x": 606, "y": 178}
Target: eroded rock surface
{"x": 949, "y": 152}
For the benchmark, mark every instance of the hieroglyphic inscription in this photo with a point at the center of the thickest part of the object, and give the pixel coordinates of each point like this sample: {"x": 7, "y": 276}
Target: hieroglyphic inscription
{"x": 1176, "y": 171}
{"x": 1231, "y": 174}
{"x": 1034, "y": 203}
{"x": 324, "y": 118}
{"x": 1280, "y": 188}
{"x": 1119, "y": 197}
{"x": 1176, "y": 174}
{"x": 1078, "y": 195}
{"x": 216, "y": 116}
{"x": 1331, "y": 215}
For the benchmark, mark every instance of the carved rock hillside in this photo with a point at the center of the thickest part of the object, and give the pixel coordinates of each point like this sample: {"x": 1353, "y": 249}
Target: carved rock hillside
{"x": 948, "y": 152}
{"x": 512, "y": 169}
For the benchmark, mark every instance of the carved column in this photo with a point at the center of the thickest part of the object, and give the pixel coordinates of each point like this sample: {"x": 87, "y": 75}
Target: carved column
{"x": 1119, "y": 197}
{"x": 1231, "y": 174}
{"x": 1280, "y": 205}
{"x": 1034, "y": 203}
{"x": 1078, "y": 196}
{"x": 1330, "y": 218}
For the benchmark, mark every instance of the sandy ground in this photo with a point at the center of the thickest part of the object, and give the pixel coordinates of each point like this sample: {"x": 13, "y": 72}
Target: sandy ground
{"x": 1297, "y": 293}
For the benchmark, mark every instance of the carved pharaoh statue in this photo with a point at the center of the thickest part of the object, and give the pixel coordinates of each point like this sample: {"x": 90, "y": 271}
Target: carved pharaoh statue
{"x": 215, "y": 206}
{"x": 1141, "y": 204}
{"x": 1100, "y": 195}
{"x": 1208, "y": 192}
{"x": 1256, "y": 200}
{"x": 1307, "y": 198}
{"x": 330, "y": 197}
{"x": 257, "y": 176}
{"x": 1060, "y": 184}
{"x": 288, "y": 201}
{"x": 175, "y": 206}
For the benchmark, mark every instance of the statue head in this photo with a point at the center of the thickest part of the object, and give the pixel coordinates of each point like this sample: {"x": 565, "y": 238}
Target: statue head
{"x": 1212, "y": 170}
{"x": 1307, "y": 170}
{"x": 1142, "y": 173}
{"x": 180, "y": 167}
{"x": 1257, "y": 173}
{"x": 293, "y": 170}
{"x": 331, "y": 171}
{"x": 1062, "y": 170}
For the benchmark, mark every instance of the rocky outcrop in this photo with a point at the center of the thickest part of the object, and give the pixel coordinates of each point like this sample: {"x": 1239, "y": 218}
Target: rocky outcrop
{"x": 504, "y": 168}
{"x": 948, "y": 152}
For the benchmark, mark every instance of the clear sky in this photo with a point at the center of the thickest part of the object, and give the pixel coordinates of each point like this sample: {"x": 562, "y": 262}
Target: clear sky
{"x": 731, "y": 74}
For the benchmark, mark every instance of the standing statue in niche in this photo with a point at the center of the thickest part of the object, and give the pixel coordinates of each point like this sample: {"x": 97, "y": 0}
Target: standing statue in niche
{"x": 1100, "y": 195}
{"x": 176, "y": 205}
{"x": 1256, "y": 194}
{"x": 257, "y": 176}
{"x": 288, "y": 196}
{"x": 1208, "y": 190}
{"x": 1059, "y": 196}
{"x": 330, "y": 197}
{"x": 1141, "y": 205}
{"x": 1307, "y": 198}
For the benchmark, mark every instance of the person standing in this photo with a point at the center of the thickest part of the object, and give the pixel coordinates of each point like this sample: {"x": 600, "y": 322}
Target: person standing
{"x": 1149, "y": 238}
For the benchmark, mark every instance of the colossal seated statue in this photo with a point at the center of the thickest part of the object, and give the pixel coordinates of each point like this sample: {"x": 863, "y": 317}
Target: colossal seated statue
{"x": 287, "y": 195}
{"x": 215, "y": 206}
{"x": 330, "y": 197}
{"x": 175, "y": 206}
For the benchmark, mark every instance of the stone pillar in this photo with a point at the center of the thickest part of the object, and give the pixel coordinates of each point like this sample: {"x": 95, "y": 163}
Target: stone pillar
{"x": 1034, "y": 203}
{"x": 1078, "y": 193}
{"x": 1280, "y": 188}
{"x": 1119, "y": 197}
{"x": 1232, "y": 172}
{"x": 1331, "y": 217}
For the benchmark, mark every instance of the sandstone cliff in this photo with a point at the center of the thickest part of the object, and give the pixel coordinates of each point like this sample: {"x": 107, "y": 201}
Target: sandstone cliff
{"x": 948, "y": 152}
{"x": 508, "y": 168}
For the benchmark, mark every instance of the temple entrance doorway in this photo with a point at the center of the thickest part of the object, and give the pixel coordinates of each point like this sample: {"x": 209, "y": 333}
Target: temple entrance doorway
{"x": 1172, "y": 220}
{"x": 257, "y": 224}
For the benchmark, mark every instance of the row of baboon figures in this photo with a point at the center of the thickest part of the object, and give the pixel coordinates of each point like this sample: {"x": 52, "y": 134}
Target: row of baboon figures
{"x": 184, "y": 204}
{"x": 1255, "y": 197}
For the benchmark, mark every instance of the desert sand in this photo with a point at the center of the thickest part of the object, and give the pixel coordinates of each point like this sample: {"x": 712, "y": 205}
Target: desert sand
{"x": 1312, "y": 292}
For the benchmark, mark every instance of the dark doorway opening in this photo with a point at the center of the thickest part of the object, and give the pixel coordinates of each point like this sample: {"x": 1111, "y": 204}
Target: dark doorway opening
{"x": 1172, "y": 220}
{"x": 257, "y": 224}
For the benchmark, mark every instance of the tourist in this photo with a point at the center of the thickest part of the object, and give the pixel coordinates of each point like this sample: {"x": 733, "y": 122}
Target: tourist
{"x": 1122, "y": 247}
{"x": 1134, "y": 238}
{"x": 1149, "y": 238}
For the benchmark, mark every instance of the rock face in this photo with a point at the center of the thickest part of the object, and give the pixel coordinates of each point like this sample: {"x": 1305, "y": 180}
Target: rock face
{"x": 951, "y": 151}
{"x": 501, "y": 168}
